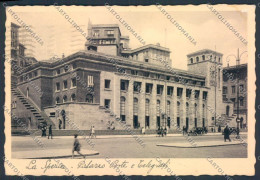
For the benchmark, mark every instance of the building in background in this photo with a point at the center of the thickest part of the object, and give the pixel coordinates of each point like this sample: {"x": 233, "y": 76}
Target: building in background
{"x": 235, "y": 92}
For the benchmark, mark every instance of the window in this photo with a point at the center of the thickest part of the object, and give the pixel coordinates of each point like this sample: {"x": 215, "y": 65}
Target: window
{"x": 135, "y": 108}
{"x": 137, "y": 87}
{"x": 157, "y": 76}
{"x": 225, "y": 90}
{"x": 169, "y": 122}
{"x": 158, "y": 122}
{"x": 65, "y": 99}
{"x": 178, "y": 121}
{"x": 241, "y": 101}
{"x": 107, "y": 84}
{"x": 168, "y": 108}
{"x": 197, "y": 59}
{"x": 205, "y": 94}
{"x": 146, "y": 74}
{"x": 58, "y": 71}
{"x": 57, "y": 100}
{"x": 73, "y": 82}
{"x": 203, "y": 57}
{"x": 168, "y": 78}
{"x": 89, "y": 98}
{"x": 159, "y": 89}
{"x": 158, "y": 109}
{"x": 191, "y": 60}
{"x": 169, "y": 90}
{"x": 146, "y": 60}
{"x": 147, "y": 106}
{"x": 110, "y": 33}
{"x": 233, "y": 89}
{"x": 147, "y": 121}
{"x": 73, "y": 97}
{"x": 123, "y": 85}
{"x": 179, "y": 92}
{"x": 134, "y": 72}
{"x": 197, "y": 94}
{"x": 213, "y": 118}
{"x": 122, "y": 117}
{"x": 35, "y": 74}
{"x": 122, "y": 107}
{"x": 90, "y": 81}
{"x": 107, "y": 103}
{"x": 57, "y": 86}
{"x": 148, "y": 88}
{"x": 65, "y": 84}
{"x": 188, "y": 93}
{"x": 219, "y": 59}
{"x": 234, "y": 101}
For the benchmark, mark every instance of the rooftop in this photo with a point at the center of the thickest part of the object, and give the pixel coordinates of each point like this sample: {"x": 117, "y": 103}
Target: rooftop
{"x": 124, "y": 62}
{"x": 204, "y": 51}
{"x": 146, "y": 47}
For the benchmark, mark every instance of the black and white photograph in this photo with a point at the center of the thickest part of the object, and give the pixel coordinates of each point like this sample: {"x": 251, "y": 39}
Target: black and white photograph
{"x": 90, "y": 88}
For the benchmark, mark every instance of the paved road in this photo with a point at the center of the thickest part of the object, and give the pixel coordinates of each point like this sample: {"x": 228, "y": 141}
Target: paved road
{"x": 129, "y": 148}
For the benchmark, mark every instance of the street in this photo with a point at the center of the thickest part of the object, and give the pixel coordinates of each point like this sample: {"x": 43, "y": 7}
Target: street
{"x": 128, "y": 147}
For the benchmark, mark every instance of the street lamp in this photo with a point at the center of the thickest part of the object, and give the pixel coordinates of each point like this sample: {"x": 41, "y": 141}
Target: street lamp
{"x": 238, "y": 57}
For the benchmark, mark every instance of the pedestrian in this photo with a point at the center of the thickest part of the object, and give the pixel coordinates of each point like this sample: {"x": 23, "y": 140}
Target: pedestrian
{"x": 76, "y": 146}
{"x": 143, "y": 130}
{"x": 93, "y": 132}
{"x": 162, "y": 131}
{"x": 226, "y": 134}
{"x": 44, "y": 128}
{"x": 90, "y": 133}
{"x": 165, "y": 131}
{"x": 219, "y": 128}
{"x": 159, "y": 131}
{"x": 60, "y": 123}
{"x": 50, "y": 131}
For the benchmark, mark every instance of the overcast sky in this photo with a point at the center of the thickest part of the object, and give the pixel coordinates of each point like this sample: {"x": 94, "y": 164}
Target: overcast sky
{"x": 204, "y": 26}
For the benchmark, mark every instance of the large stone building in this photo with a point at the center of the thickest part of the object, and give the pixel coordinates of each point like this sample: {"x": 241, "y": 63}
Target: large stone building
{"x": 108, "y": 81}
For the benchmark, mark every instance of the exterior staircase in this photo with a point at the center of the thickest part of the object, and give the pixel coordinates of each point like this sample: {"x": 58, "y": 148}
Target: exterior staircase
{"x": 30, "y": 106}
{"x": 230, "y": 120}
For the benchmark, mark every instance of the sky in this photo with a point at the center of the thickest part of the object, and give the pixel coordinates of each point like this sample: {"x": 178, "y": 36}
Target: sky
{"x": 208, "y": 31}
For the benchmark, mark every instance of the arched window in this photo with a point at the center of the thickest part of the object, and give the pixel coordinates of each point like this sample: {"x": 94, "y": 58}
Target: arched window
{"x": 122, "y": 105}
{"x": 57, "y": 100}
{"x": 65, "y": 99}
{"x": 73, "y": 97}
{"x": 191, "y": 60}
{"x": 203, "y": 57}
{"x": 135, "y": 106}
{"x": 158, "y": 107}
{"x": 197, "y": 59}
{"x": 147, "y": 106}
{"x": 168, "y": 108}
{"x": 178, "y": 108}
{"x": 89, "y": 98}
{"x": 195, "y": 109}
{"x": 187, "y": 109}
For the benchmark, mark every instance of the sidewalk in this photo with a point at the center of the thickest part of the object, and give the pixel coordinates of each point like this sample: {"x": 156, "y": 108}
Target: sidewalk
{"x": 53, "y": 153}
{"x": 195, "y": 144}
{"x": 140, "y": 136}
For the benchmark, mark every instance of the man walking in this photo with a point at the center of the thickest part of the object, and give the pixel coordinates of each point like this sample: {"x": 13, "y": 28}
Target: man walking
{"x": 76, "y": 146}
{"x": 226, "y": 134}
{"x": 50, "y": 132}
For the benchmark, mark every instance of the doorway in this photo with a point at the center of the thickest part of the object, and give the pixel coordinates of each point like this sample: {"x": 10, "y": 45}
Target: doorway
{"x": 135, "y": 123}
{"x": 187, "y": 123}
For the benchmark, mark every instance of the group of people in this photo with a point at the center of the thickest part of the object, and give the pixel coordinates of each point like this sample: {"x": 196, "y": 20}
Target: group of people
{"x": 44, "y": 129}
{"x": 162, "y": 131}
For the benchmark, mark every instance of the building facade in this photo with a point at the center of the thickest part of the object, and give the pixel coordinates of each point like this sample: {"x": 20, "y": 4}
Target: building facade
{"x": 137, "y": 87}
